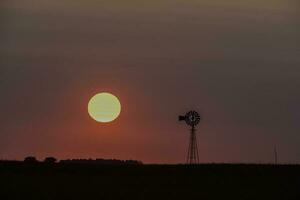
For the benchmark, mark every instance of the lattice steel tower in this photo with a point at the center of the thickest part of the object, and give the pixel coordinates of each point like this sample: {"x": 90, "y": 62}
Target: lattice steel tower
{"x": 192, "y": 119}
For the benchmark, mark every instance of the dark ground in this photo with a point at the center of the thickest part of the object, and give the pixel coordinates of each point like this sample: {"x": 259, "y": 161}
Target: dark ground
{"x": 211, "y": 181}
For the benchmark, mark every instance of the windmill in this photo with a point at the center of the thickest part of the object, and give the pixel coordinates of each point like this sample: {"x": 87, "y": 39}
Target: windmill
{"x": 192, "y": 119}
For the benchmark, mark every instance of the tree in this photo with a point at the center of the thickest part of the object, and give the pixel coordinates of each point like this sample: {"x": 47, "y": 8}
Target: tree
{"x": 50, "y": 160}
{"x": 30, "y": 159}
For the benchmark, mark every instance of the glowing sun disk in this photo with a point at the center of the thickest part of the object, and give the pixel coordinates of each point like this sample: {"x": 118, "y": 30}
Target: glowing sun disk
{"x": 104, "y": 107}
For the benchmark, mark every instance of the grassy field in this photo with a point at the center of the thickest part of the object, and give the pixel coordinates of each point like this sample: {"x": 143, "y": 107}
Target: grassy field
{"x": 211, "y": 181}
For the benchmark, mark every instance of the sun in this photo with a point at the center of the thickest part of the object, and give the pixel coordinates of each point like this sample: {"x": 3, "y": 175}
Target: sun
{"x": 104, "y": 107}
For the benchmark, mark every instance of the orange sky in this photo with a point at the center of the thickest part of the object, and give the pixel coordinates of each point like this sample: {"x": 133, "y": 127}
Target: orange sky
{"x": 235, "y": 62}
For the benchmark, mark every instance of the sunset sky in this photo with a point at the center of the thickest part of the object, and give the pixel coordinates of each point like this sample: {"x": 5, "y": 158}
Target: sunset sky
{"x": 236, "y": 62}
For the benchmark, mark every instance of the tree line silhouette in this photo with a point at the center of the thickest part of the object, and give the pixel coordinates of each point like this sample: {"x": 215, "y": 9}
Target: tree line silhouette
{"x": 98, "y": 161}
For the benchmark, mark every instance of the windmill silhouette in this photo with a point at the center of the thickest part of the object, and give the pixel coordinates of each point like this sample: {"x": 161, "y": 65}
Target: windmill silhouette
{"x": 192, "y": 118}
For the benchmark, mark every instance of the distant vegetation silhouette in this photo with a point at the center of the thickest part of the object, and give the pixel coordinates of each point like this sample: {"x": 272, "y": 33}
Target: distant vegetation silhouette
{"x": 50, "y": 160}
{"x": 98, "y": 161}
{"x": 101, "y": 162}
{"x": 30, "y": 160}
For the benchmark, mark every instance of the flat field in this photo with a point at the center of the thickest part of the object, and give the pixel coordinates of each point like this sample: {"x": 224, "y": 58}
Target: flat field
{"x": 207, "y": 181}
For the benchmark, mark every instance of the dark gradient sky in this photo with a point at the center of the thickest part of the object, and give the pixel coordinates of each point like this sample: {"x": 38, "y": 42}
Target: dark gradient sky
{"x": 237, "y": 63}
